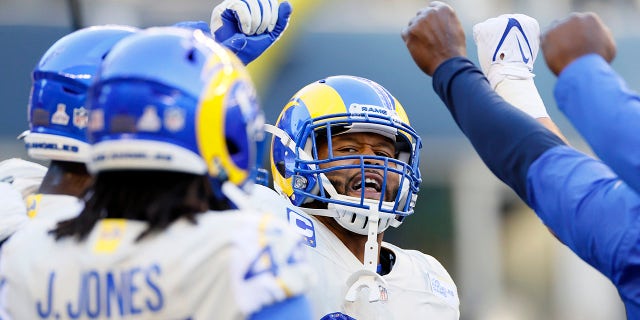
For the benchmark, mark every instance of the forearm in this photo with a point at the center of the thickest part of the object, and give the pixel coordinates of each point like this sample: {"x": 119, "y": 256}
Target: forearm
{"x": 549, "y": 124}
{"x": 506, "y": 139}
{"x": 523, "y": 94}
{"x": 605, "y": 112}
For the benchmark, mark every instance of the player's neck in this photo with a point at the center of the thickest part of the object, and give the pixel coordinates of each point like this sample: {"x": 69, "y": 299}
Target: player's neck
{"x": 353, "y": 241}
{"x": 66, "y": 178}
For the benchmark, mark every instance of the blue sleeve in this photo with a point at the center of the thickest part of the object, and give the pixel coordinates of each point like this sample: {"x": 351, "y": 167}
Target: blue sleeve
{"x": 506, "y": 139}
{"x": 579, "y": 198}
{"x": 591, "y": 211}
{"x": 606, "y": 113}
{"x": 294, "y": 308}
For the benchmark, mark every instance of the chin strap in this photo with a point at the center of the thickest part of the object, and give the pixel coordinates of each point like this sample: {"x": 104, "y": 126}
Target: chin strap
{"x": 283, "y": 136}
{"x": 321, "y": 212}
{"x": 367, "y": 277}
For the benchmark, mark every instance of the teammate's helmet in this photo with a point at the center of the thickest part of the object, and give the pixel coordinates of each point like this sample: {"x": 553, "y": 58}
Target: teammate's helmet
{"x": 336, "y": 105}
{"x": 57, "y": 113}
{"x": 173, "y": 99}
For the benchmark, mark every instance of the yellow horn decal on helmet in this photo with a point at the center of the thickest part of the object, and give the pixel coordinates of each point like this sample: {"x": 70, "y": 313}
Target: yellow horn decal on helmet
{"x": 281, "y": 181}
{"x": 404, "y": 118}
{"x": 401, "y": 113}
{"x": 321, "y": 99}
{"x": 223, "y": 70}
{"x": 278, "y": 179}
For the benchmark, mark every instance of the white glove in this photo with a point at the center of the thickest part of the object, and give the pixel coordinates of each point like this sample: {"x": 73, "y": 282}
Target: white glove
{"x": 254, "y": 16}
{"x": 507, "y": 46}
{"x": 24, "y": 176}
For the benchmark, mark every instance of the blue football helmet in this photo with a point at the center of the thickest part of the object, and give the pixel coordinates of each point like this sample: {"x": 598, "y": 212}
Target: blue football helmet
{"x": 57, "y": 113}
{"x": 339, "y": 105}
{"x": 173, "y": 99}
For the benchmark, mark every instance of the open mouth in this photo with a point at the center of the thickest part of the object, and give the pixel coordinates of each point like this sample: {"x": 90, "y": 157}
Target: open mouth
{"x": 372, "y": 186}
{"x": 369, "y": 185}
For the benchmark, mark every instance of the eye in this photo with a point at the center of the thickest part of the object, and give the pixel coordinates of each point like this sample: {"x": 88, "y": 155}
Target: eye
{"x": 346, "y": 150}
{"x": 383, "y": 154}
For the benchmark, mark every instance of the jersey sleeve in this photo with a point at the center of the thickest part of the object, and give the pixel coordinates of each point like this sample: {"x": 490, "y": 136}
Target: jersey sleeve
{"x": 294, "y": 308}
{"x": 268, "y": 266}
{"x": 588, "y": 208}
{"x": 605, "y": 111}
{"x": 13, "y": 214}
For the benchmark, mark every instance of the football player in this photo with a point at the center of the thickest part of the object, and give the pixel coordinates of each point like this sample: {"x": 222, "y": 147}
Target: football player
{"x": 173, "y": 126}
{"x": 58, "y": 116}
{"x": 346, "y": 160}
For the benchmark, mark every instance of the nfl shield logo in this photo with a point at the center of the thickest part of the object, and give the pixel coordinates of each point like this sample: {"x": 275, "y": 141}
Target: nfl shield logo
{"x": 80, "y": 117}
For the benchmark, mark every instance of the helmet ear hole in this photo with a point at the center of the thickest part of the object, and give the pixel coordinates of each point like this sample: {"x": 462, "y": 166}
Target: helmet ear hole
{"x": 70, "y": 90}
{"x": 232, "y": 146}
{"x": 191, "y": 56}
{"x": 280, "y": 168}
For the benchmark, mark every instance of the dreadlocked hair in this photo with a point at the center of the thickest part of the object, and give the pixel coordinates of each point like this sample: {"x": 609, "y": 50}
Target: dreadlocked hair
{"x": 156, "y": 197}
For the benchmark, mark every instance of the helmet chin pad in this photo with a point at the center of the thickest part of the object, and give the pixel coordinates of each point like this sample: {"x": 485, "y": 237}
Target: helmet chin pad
{"x": 359, "y": 223}
{"x": 356, "y": 219}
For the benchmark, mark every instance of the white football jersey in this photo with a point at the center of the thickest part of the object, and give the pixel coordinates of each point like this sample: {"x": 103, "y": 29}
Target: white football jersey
{"x": 226, "y": 266}
{"x": 53, "y": 206}
{"x": 418, "y": 286}
{"x": 13, "y": 213}
{"x": 18, "y": 179}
